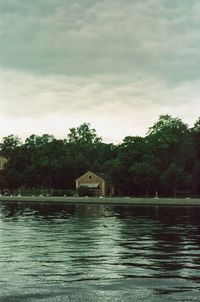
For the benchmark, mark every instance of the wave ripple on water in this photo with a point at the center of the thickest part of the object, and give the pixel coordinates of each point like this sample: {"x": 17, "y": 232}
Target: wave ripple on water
{"x": 99, "y": 253}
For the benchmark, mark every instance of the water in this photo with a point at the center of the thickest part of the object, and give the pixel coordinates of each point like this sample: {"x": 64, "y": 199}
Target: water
{"x": 99, "y": 253}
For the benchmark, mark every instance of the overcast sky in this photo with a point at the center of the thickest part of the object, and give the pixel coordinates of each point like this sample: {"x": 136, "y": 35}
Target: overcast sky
{"x": 117, "y": 64}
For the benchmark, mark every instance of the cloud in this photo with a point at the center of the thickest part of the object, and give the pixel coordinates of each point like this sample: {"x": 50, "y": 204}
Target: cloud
{"x": 101, "y": 37}
{"x": 24, "y": 94}
{"x": 115, "y": 108}
{"x": 118, "y": 64}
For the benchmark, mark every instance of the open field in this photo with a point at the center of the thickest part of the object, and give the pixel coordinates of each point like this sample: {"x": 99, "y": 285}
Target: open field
{"x": 106, "y": 200}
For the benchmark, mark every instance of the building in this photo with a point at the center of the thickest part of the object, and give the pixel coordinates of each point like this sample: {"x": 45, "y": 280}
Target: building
{"x": 97, "y": 184}
{"x": 3, "y": 162}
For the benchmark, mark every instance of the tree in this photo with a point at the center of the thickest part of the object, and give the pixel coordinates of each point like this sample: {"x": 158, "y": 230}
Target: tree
{"x": 196, "y": 177}
{"x": 196, "y": 127}
{"x": 145, "y": 175}
{"x": 9, "y": 144}
{"x": 174, "y": 180}
{"x": 35, "y": 141}
{"x": 50, "y": 163}
{"x": 166, "y": 138}
{"x": 84, "y": 145}
{"x": 130, "y": 152}
{"x": 83, "y": 135}
{"x": 167, "y": 159}
{"x": 195, "y": 131}
{"x": 12, "y": 174}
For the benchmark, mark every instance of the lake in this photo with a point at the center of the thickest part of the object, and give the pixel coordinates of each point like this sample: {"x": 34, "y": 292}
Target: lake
{"x": 99, "y": 253}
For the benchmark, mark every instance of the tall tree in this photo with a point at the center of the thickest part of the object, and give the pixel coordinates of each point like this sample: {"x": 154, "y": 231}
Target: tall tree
{"x": 167, "y": 139}
{"x": 83, "y": 135}
{"x": 9, "y": 144}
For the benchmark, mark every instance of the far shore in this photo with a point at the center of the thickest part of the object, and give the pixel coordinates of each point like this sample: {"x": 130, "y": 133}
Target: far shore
{"x": 104, "y": 200}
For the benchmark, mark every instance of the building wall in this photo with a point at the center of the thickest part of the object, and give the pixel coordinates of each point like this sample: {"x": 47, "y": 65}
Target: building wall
{"x": 3, "y": 161}
{"x": 105, "y": 188}
{"x": 91, "y": 178}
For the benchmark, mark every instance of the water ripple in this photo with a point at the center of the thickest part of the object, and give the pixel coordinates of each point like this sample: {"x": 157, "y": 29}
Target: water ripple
{"x": 99, "y": 253}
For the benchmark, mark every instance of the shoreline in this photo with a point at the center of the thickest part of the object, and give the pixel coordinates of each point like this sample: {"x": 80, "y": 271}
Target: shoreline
{"x": 104, "y": 200}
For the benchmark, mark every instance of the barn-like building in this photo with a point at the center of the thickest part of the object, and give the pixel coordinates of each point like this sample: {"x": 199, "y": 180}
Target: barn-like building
{"x": 97, "y": 183}
{"x": 3, "y": 162}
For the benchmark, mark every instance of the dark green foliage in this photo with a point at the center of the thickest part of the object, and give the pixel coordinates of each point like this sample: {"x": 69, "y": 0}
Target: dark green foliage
{"x": 166, "y": 160}
{"x": 9, "y": 144}
{"x": 83, "y": 135}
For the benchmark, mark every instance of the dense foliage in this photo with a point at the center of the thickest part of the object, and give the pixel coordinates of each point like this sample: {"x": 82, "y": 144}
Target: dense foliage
{"x": 166, "y": 160}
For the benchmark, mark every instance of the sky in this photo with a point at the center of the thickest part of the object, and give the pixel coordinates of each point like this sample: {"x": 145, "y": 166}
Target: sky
{"x": 116, "y": 64}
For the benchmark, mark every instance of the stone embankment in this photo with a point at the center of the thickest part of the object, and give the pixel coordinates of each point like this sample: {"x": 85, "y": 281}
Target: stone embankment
{"x": 105, "y": 200}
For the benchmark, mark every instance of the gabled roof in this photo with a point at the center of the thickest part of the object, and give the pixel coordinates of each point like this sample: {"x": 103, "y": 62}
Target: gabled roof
{"x": 101, "y": 175}
{"x": 87, "y": 173}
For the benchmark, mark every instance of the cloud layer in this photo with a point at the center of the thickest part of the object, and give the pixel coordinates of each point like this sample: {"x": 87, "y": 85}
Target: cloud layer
{"x": 118, "y": 64}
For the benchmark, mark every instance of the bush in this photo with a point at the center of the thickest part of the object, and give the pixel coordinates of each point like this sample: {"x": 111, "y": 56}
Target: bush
{"x": 83, "y": 191}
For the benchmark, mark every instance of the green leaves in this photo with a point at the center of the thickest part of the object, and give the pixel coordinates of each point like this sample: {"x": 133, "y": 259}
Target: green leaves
{"x": 83, "y": 135}
{"x": 166, "y": 159}
{"x": 9, "y": 144}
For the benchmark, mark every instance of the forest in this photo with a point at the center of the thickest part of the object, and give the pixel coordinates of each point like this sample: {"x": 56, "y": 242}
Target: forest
{"x": 166, "y": 160}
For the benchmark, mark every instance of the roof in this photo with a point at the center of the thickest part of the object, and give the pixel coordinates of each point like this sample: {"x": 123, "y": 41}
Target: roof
{"x": 101, "y": 175}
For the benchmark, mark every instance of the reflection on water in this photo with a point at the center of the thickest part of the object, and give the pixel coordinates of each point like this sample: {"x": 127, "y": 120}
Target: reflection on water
{"x": 99, "y": 253}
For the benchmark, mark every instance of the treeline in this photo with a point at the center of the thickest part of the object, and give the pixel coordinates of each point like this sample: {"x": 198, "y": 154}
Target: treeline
{"x": 166, "y": 160}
